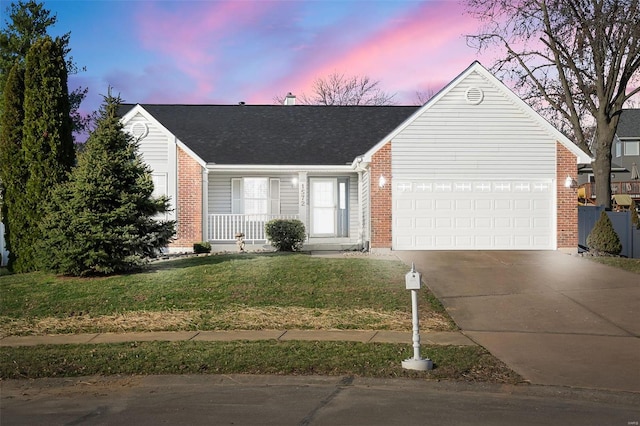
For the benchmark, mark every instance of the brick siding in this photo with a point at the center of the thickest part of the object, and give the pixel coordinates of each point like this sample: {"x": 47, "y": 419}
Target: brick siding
{"x": 567, "y": 202}
{"x": 381, "y": 217}
{"x": 189, "y": 205}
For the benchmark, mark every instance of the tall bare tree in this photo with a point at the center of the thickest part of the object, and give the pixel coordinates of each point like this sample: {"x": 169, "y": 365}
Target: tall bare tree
{"x": 575, "y": 60}
{"x": 339, "y": 89}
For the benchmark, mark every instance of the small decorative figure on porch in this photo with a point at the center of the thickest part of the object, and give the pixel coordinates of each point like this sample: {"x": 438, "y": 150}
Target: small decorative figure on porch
{"x": 240, "y": 241}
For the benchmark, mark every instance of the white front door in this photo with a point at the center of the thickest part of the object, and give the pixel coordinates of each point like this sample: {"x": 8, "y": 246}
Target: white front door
{"x": 323, "y": 207}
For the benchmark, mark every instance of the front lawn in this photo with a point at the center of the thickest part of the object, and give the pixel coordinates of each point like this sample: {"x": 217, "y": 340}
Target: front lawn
{"x": 249, "y": 291}
{"x": 221, "y": 292}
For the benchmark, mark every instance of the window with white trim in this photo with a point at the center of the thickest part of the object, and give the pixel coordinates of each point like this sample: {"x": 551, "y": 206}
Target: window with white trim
{"x": 255, "y": 196}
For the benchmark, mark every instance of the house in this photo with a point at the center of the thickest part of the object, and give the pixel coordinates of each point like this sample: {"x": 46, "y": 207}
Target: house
{"x": 625, "y": 160}
{"x": 474, "y": 168}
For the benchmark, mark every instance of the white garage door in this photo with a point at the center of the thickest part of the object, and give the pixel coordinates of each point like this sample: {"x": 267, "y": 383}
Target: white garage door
{"x": 473, "y": 215}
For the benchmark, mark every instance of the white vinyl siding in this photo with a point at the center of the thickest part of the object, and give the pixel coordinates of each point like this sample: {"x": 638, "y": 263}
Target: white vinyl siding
{"x": 158, "y": 151}
{"x": 454, "y": 139}
{"x": 154, "y": 146}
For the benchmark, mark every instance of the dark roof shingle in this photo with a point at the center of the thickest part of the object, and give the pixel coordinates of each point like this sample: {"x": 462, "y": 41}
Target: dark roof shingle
{"x": 629, "y": 124}
{"x": 278, "y": 135}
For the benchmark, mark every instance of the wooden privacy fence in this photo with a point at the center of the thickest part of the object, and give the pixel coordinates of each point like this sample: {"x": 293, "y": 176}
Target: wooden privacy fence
{"x": 628, "y": 234}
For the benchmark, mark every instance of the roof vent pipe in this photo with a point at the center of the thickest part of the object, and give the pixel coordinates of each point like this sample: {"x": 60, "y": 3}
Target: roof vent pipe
{"x": 290, "y": 99}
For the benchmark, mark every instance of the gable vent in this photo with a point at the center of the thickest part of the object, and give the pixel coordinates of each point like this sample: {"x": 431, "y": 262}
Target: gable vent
{"x": 474, "y": 95}
{"x": 139, "y": 130}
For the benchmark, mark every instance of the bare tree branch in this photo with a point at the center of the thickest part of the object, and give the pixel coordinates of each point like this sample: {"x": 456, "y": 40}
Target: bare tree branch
{"x": 338, "y": 89}
{"x": 576, "y": 61}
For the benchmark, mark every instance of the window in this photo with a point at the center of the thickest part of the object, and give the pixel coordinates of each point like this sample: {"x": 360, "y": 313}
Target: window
{"x": 255, "y": 196}
{"x": 631, "y": 148}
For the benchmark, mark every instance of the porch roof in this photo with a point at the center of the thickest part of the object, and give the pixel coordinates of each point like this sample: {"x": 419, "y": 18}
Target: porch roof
{"x": 278, "y": 134}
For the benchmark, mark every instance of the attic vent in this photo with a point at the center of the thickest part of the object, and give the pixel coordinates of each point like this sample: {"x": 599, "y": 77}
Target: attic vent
{"x": 474, "y": 95}
{"x": 139, "y": 130}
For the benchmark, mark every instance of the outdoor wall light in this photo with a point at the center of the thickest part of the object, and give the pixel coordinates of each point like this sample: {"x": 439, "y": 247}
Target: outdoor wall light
{"x": 570, "y": 182}
{"x": 294, "y": 181}
{"x": 382, "y": 181}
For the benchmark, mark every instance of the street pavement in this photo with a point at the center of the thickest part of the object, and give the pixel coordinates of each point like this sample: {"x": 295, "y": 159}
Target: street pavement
{"x": 304, "y": 400}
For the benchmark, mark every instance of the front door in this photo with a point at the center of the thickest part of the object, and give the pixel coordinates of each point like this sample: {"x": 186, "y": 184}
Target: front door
{"x": 329, "y": 207}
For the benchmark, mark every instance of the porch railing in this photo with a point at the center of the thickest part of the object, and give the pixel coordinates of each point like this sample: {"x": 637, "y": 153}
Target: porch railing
{"x": 629, "y": 187}
{"x": 224, "y": 227}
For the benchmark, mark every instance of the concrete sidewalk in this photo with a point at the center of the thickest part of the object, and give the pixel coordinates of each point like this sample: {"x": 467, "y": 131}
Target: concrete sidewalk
{"x": 363, "y": 336}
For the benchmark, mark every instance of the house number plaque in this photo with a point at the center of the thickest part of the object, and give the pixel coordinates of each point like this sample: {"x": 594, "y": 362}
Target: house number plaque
{"x": 303, "y": 194}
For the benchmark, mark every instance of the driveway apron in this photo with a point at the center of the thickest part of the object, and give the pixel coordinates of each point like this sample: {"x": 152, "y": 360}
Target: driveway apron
{"x": 554, "y": 318}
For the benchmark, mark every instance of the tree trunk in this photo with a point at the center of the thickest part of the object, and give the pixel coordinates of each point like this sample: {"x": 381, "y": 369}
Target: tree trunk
{"x": 602, "y": 164}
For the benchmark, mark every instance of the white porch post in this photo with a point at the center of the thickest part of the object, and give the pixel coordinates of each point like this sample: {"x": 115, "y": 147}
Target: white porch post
{"x": 361, "y": 219}
{"x": 303, "y": 199}
{"x": 205, "y": 204}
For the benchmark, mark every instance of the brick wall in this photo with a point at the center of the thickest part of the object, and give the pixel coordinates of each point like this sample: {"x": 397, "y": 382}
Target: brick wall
{"x": 567, "y": 206}
{"x": 381, "y": 218}
{"x": 189, "y": 205}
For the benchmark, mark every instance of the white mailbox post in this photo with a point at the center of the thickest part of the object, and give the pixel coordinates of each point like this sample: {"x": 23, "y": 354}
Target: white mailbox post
{"x": 412, "y": 281}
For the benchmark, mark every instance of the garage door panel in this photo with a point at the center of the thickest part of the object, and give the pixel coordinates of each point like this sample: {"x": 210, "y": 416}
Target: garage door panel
{"x": 444, "y": 222}
{"x": 502, "y": 205}
{"x": 406, "y": 204}
{"x": 463, "y": 222}
{"x": 424, "y": 204}
{"x": 522, "y": 223}
{"x": 523, "y": 204}
{"x": 424, "y": 222}
{"x": 465, "y": 205}
{"x": 405, "y": 222}
{"x": 486, "y": 205}
{"x": 474, "y": 215}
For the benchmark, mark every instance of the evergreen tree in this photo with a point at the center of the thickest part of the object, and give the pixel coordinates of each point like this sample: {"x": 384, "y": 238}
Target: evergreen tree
{"x": 29, "y": 22}
{"x": 102, "y": 220}
{"x": 47, "y": 143}
{"x": 12, "y": 167}
{"x": 603, "y": 239}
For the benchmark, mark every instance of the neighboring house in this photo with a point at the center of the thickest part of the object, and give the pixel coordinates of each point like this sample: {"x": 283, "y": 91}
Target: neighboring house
{"x": 625, "y": 160}
{"x": 474, "y": 168}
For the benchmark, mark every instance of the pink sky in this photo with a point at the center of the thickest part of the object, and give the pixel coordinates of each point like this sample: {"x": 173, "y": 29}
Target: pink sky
{"x": 229, "y": 51}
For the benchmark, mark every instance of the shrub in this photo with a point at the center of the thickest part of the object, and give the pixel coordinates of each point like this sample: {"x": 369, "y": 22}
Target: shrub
{"x": 202, "y": 247}
{"x": 603, "y": 239}
{"x": 285, "y": 234}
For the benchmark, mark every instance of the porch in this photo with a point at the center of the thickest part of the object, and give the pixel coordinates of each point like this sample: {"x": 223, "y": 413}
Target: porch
{"x": 222, "y": 228}
{"x": 631, "y": 188}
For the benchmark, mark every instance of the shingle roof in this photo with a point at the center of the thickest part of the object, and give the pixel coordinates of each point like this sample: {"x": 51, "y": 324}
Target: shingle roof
{"x": 629, "y": 124}
{"x": 278, "y": 135}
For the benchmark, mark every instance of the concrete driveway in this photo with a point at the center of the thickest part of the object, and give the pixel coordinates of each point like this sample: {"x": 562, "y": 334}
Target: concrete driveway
{"x": 554, "y": 318}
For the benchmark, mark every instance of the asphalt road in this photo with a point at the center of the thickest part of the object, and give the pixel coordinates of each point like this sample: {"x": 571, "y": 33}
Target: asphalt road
{"x": 286, "y": 400}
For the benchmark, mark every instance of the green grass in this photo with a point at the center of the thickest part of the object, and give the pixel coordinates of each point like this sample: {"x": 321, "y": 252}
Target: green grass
{"x": 631, "y": 265}
{"x": 261, "y": 357}
{"x": 215, "y": 293}
{"x": 212, "y": 283}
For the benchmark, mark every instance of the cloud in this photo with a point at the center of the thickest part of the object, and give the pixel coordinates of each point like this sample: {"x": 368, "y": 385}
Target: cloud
{"x": 205, "y": 41}
{"x": 228, "y": 51}
{"x": 415, "y": 51}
